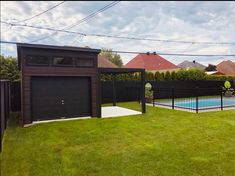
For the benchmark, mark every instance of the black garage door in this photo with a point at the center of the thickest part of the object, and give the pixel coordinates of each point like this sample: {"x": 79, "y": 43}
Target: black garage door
{"x": 60, "y": 97}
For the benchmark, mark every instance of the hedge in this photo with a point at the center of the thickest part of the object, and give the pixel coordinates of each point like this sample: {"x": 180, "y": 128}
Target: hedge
{"x": 181, "y": 75}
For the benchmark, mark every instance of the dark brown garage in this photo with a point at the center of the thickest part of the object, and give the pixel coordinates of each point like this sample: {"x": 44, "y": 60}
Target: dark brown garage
{"x": 58, "y": 82}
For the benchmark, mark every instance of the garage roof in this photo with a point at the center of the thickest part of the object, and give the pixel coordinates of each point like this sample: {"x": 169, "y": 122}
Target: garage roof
{"x": 71, "y": 48}
{"x": 39, "y": 46}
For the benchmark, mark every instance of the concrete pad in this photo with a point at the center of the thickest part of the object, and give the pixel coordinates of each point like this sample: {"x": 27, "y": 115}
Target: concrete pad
{"x": 56, "y": 120}
{"x": 115, "y": 111}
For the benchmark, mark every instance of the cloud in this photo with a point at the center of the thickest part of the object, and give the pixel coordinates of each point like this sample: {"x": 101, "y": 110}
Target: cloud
{"x": 190, "y": 21}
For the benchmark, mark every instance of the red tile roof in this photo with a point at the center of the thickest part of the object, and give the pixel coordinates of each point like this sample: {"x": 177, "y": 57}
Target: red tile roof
{"x": 150, "y": 62}
{"x": 226, "y": 67}
{"x": 104, "y": 62}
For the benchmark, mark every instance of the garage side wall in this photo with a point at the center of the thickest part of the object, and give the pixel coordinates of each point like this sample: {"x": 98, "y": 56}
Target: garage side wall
{"x": 27, "y": 72}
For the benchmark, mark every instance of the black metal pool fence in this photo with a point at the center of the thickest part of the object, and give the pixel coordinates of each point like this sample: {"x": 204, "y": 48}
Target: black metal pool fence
{"x": 194, "y": 99}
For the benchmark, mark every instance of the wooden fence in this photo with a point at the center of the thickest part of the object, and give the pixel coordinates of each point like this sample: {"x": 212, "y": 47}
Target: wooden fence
{"x": 5, "y": 107}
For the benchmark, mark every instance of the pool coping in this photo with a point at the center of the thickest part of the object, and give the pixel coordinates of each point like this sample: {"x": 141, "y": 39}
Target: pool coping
{"x": 192, "y": 110}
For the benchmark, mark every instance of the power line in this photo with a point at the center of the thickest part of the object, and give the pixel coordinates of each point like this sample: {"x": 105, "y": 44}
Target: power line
{"x": 158, "y": 53}
{"x": 94, "y": 14}
{"x": 43, "y": 28}
{"x": 27, "y": 19}
{"x": 160, "y": 40}
{"x": 173, "y": 54}
{"x": 82, "y": 20}
{"x": 118, "y": 37}
{"x": 185, "y": 49}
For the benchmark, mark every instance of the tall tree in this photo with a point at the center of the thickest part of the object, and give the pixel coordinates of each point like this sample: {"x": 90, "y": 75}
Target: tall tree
{"x": 9, "y": 68}
{"x": 167, "y": 76}
{"x": 158, "y": 76}
{"x": 113, "y": 57}
{"x": 173, "y": 75}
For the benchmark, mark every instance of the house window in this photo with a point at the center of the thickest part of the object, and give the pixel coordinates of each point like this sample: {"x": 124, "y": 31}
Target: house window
{"x": 37, "y": 60}
{"x": 63, "y": 61}
{"x": 85, "y": 62}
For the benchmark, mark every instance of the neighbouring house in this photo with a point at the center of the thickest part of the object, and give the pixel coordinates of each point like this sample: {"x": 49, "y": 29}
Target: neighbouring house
{"x": 187, "y": 65}
{"x": 151, "y": 62}
{"x": 226, "y": 67}
{"x": 104, "y": 62}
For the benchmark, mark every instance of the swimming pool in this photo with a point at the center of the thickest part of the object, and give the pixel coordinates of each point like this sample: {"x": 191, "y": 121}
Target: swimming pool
{"x": 203, "y": 103}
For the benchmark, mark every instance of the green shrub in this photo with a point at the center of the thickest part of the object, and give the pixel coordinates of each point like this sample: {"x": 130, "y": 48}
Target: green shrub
{"x": 227, "y": 85}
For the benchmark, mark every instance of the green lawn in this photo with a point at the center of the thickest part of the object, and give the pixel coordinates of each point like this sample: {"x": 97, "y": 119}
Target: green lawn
{"x": 162, "y": 142}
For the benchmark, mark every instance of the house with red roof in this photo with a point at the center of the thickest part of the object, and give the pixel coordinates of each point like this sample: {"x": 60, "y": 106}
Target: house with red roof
{"x": 226, "y": 67}
{"x": 104, "y": 62}
{"x": 151, "y": 62}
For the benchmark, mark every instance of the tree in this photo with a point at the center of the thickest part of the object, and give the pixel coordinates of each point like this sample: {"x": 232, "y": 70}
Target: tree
{"x": 114, "y": 58}
{"x": 167, "y": 76}
{"x": 173, "y": 75}
{"x": 9, "y": 68}
{"x": 163, "y": 76}
{"x": 158, "y": 76}
{"x": 211, "y": 67}
{"x": 151, "y": 76}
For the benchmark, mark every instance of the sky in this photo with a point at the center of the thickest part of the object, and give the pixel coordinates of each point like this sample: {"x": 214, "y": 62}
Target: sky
{"x": 202, "y": 21}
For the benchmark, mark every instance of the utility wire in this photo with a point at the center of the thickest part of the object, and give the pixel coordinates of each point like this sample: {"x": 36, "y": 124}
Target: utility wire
{"x": 93, "y": 14}
{"x": 117, "y": 37}
{"x": 43, "y": 28}
{"x": 160, "y": 40}
{"x": 185, "y": 49}
{"x": 81, "y": 21}
{"x": 158, "y": 53}
{"x": 172, "y": 54}
{"x": 27, "y": 19}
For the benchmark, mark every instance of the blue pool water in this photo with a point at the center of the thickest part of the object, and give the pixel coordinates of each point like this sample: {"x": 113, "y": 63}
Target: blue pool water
{"x": 202, "y": 103}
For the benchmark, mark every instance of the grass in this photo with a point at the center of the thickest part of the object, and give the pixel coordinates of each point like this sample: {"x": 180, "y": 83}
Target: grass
{"x": 161, "y": 142}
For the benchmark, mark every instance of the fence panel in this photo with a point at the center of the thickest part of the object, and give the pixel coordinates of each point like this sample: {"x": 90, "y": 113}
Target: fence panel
{"x": 125, "y": 91}
{"x": 194, "y": 99}
{"x": 15, "y": 96}
{"x": 4, "y": 107}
